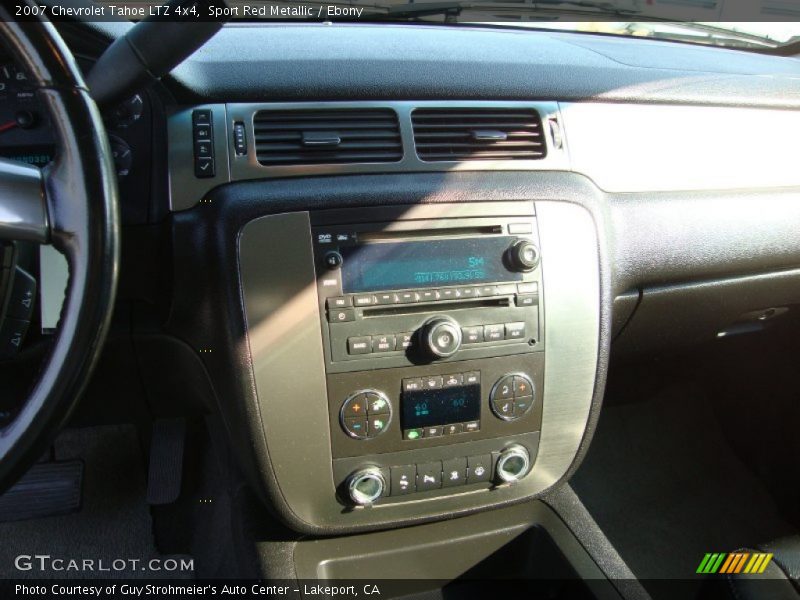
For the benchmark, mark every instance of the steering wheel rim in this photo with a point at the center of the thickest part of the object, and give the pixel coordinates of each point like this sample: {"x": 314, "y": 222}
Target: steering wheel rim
{"x": 72, "y": 204}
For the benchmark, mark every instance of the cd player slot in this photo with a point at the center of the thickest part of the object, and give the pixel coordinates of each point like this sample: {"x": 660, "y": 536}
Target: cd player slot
{"x": 406, "y": 309}
{"x": 393, "y": 235}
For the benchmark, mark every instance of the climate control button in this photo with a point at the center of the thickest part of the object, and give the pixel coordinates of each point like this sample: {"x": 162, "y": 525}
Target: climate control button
{"x": 512, "y": 396}
{"x": 365, "y": 414}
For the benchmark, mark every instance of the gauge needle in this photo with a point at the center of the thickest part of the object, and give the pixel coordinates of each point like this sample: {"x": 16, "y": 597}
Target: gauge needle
{"x": 7, "y": 126}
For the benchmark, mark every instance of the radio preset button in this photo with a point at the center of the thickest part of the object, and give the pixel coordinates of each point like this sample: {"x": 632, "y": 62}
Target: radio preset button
{"x": 408, "y": 297}
{"x": 428, "y": 295}
{"x": 486, "y": 290}
{"x": 466, "y": 292}
{"x": 342, "y": 315}
{"x": 383, "y": 343}
{"x": 448, "y": 294}
{"x": 515, "y": 331}
{"x": 472, "y": 335}
{"x": 493, "y": 333}
{"x": 364, "y": 300}
{"x": 387, "y": 298}
{"x": 359, "y": 345}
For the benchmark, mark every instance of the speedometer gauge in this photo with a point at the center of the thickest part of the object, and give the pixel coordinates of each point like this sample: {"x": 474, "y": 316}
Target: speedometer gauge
{"x": 25, "y": 133}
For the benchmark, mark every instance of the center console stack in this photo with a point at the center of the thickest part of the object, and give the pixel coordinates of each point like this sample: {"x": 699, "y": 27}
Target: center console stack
{"x": 434, "y": 355}
{"x": 414, "y": 362}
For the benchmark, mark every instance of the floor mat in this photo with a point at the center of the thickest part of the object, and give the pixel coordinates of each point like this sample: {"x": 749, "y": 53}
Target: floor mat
{"x": 113, "y": 524}
{"x": 665, "y": 487}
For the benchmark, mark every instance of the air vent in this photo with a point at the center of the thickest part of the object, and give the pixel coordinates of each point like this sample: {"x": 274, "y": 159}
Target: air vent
{"x": 335, "y": 136}
{"x": 478, "y": 134}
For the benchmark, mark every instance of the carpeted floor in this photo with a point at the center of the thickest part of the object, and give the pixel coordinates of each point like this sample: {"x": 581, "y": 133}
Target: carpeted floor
{"x": 665, "y": 486}
{"x": 114, "y": 522}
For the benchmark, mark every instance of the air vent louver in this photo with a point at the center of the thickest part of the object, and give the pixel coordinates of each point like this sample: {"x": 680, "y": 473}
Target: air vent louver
{"x": 443, "y": 134}
{"x": 333, "y": 136}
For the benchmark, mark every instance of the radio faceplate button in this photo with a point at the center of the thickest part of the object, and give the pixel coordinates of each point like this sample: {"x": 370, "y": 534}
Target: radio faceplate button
{"x": 408, "y": 297}
{"x": 404, "y": 340}
{"x": 387, "y": 298}
{"x": 428, "y": 295}
{"x": 472, "y": 335}
{"x": 486, "y": 290}
{"x": 454, "y": 472}
{"x": 364, "y": 300}
{"x": 355, "y": 407}
{"x": 356, "y": 428}
{"x": 453, "y": 380}
{"x": 432, "y": 383}
{"x": 339, "y": 302}
{"x": 493, "y": 333}
{"x": 526, "y": 300}
{"x": 383, "y": 343}
{"x": 359, "y": 345}
{"x": 412, "y": 385}
{"x": 479, "y": 468}
{"x": 403, "y": 480}
{"x": 515, "y": 331}
{"x": 341, "y": 315}
{"x": 453, "y": 429}
{"x": 429, "y": 476}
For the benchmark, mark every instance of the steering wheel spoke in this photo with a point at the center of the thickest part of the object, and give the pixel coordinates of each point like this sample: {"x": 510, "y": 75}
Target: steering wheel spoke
{"x": 23, "y": 207}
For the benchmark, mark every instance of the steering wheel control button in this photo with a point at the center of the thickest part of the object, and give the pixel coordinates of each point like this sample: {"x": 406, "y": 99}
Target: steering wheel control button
{"x": 203, "y": 136}
{"x": 429, "y": 476}
{"x": 404, "y": 480}
{"x": 479, "y": 468}
{"x": 356, "y": 428}
{"x": 23, "y": 296}
{"x": 513, "y": 464}
{"x": 366, "y": 486}
{"x": 12, "y": 334}
{"x": 512, "y": 397}
{"x": 454, "y": 472}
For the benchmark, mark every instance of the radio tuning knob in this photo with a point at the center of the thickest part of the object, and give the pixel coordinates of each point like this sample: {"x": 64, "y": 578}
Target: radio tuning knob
{"x": 523, "y": 255}
{"x": 366, "y": 486}
{"x": 441, "y": 337}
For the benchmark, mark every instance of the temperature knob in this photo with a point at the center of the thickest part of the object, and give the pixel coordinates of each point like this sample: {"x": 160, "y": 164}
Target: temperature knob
{"x": 441, "y": 337}
{"x": 523, "y": 255}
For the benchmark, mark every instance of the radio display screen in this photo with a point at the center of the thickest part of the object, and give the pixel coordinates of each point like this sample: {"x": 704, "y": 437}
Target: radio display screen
{"x": 427, "y": 408}
{"x": 419, "y": 264}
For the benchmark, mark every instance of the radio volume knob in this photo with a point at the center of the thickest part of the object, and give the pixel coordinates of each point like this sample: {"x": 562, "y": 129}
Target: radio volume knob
{"x": 523, "y": 255}
{"x": 441, "y": 337}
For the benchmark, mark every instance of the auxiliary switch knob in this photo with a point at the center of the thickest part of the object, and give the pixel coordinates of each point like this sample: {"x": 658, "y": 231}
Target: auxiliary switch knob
{"x": 523, "y": 255}
{"x": 513, "y": 464}
{"x": 366, "y": 486}
{"x": 441, "y": 337}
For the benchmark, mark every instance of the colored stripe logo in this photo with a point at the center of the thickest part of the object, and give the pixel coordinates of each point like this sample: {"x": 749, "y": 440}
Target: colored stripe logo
{"x": 735, "y": 562}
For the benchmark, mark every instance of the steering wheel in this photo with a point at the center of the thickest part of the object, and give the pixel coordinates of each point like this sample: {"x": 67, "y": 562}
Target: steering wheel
{"x": 71, "y": 204}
